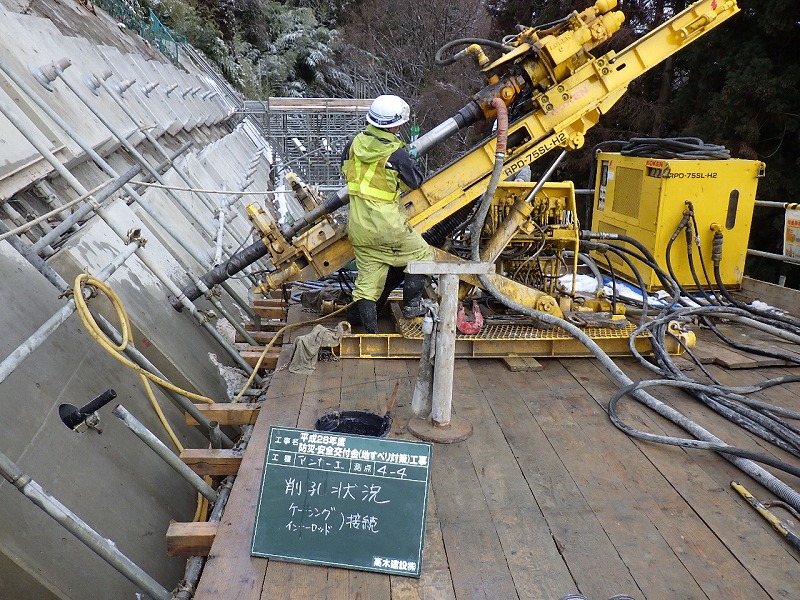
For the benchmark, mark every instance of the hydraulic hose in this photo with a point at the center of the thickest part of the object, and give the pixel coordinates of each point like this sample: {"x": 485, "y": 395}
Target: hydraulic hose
{"x": 715, "y": 445}
{"x": 758, "y": 473}
{"x": 590, "y": 264}
{"x": 759, "y": 418}
{"x": 646, "y": 257}
{"x": 499, "y": 158}
{"x": 747, "y": 465}
{"x": 465, "y": 41}
{"x": 686, "y": 148}
{"x": 716, "y": 258}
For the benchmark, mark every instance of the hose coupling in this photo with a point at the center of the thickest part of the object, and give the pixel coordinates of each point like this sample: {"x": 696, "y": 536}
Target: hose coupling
{"x": 716, "y": 248}
{"x": 208, "y": 316}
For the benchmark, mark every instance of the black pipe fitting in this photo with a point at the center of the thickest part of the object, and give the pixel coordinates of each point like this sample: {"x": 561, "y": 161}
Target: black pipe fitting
{"x": 716, "y": 249}
{"x": 74, "y": 417}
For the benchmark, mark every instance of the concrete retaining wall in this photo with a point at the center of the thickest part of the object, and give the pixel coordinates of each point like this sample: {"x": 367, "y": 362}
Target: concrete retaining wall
{"x": 111, "y": 480}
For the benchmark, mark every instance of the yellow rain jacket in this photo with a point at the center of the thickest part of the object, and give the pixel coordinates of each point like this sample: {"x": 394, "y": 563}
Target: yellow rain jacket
{"x": 377, "y": 169}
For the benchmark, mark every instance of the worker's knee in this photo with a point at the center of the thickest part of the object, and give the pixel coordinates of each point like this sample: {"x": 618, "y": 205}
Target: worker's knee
{"x": 369, "y": 282}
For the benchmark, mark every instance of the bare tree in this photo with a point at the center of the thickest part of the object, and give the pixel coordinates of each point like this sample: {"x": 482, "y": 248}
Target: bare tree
{"x": 390, "y": 47}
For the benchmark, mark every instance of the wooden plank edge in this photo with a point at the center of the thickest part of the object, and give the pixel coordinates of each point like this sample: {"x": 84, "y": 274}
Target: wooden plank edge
{"x": 191, "y": 539}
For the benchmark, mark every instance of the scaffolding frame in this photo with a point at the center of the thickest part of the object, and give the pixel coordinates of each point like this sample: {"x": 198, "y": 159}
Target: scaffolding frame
{"x": 309, "y": 134}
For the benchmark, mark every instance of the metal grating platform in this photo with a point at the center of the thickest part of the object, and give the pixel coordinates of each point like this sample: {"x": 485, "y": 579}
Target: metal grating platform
{"x": 493, "y": 341}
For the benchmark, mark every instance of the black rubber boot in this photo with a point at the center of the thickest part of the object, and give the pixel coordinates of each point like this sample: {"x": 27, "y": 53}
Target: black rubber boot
{"x": 368, "y": 311}
{"x": 352, "y": 315}
{"x": 394, "y": 277}
{"x": 413, "y": 285}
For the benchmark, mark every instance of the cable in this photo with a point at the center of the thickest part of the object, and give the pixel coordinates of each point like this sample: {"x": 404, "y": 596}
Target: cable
{"x": 116, "y": 351}
{"x": 106, "y": 343}
{"x": 689, "y": 148}
{"x": 202, "y": 191}
{"x": 273, "y": 340}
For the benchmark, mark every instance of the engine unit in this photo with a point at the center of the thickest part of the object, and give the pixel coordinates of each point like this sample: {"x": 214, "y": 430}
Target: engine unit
{"x": 646, "y": 198}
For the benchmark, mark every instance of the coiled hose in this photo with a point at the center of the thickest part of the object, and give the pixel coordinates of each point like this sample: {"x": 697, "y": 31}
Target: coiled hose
{"x": 705, "y": 440}
{"x": 116, "y": 350}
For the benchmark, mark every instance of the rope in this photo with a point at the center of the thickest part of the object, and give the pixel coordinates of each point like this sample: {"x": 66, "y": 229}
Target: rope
{"x": 272, "y": 343}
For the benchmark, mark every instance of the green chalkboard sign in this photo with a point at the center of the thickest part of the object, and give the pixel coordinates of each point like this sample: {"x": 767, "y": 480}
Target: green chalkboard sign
{"x": 343, "y": 500}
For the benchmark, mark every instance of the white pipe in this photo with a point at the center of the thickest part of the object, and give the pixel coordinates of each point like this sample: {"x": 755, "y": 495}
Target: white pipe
{"x": 220, "y": 236}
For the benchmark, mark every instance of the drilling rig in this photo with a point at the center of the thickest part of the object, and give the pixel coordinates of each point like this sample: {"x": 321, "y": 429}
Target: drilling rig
{"x": 554, "y": 90}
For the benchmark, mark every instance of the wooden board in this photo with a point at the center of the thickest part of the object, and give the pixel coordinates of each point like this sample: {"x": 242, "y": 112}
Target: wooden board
{"x": 212, "y": 462}
{"x": 190, "y": 539}
{"x": 270, "y": 312}
{"x": 252, "y": 355}
{"x": 518, "y": 363}
{"x": 227, "y": 413}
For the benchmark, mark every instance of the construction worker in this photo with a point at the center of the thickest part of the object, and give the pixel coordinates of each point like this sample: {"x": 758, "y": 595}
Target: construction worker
{"x": 378, "y": 168}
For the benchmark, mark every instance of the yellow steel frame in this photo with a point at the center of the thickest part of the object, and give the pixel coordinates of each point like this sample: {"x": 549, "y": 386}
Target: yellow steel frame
{"x": 582, "y": 97}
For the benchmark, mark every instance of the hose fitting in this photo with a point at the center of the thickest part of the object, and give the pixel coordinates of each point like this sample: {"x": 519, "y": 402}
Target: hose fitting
{"x": 716, "y": 248}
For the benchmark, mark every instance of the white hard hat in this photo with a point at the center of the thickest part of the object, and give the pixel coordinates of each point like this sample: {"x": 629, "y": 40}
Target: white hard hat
{"x": 388, "y": 111}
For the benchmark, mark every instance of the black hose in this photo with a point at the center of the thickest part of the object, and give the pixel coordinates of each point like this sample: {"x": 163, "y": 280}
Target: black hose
{"x": 703, "y": 260}
{"x": 466, "y": 41}
{"x": 688, "y": 148}
{"x": 717, "y": 259}
{"x": 688, "y": 443}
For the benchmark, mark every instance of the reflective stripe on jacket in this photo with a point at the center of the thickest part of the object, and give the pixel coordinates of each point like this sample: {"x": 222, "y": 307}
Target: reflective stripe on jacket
{"x": 365, "y": 167}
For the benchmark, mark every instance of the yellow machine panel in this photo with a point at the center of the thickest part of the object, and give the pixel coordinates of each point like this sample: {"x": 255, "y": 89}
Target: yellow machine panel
{"x": 646, "y": 198}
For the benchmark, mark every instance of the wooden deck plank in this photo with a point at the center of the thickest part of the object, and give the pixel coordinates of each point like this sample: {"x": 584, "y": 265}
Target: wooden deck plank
{"x": 593, "y": 562}
{"x": 231, "y": 573}
{"x": 709, "y": 352}
{"x": 664, "y": 519}
{"x": 730, "y": 357}
{"x": 760, "y": 339}
{"x": 615, "y": 500}
{"x": 521, "y": 527}
{"x": 360, "y": 392}
{"x": 546, "y": 497}
{"x": 702, "y": 479}
{"x": 435, "y": 580}
{"x": 294, "y": 580}
{"x": 474, "y": 553}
